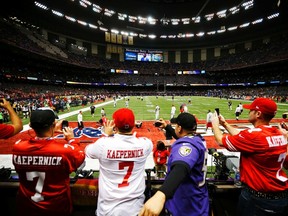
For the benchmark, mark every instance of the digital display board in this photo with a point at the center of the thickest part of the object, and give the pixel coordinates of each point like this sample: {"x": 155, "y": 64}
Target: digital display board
{"x": 130, "y": 56}
{"x": 143, "y": 55}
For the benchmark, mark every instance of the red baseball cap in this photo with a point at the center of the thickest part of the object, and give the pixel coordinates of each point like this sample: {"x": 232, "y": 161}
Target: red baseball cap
{"x": 264, "y": 105}
{"x": 124, "y": 118}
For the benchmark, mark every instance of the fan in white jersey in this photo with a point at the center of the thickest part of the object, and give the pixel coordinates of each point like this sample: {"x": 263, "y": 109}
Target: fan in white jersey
{"x": 122, "y": 157}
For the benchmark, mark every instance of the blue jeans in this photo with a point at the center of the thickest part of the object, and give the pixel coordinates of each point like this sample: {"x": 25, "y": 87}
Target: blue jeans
{"x": 249, "y": 205}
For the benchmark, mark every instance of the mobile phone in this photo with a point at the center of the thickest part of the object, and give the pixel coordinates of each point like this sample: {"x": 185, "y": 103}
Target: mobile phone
{"x": 157, "y": 124}
{"x": 1, "y": 101}
{"x": 284, "y": 126}
{"x": 65, "y": 123}
{"x": 217, "y": 111}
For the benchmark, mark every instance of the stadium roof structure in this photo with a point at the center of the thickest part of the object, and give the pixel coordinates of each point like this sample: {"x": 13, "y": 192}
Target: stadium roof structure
{"x": 156, "y": 23}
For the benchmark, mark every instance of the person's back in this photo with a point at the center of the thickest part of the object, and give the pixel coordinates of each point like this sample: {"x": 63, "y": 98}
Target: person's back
{"x": 263, "y": 150}
{"x": 261, "y": 147}
{"x": 122, "y": 164}
{"x": 184, "y": 190}
{"x": 122, "y": 159}
{"x": 193, "y": 189}
{"x": 43, "y": 165}
{"x": 160, "y": 156}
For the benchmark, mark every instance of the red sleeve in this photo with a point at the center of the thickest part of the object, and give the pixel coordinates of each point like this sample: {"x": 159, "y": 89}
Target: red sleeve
{"x": 6, "y": 131}
{"x": 246, "y": 141}
{"x": 76, "y": 156}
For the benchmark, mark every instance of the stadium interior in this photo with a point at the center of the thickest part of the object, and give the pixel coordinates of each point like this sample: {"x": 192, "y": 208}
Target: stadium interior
{"x": 230, "y": 49}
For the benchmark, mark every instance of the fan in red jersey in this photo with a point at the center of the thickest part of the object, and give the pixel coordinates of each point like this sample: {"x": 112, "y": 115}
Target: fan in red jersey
{"x": 263, "y": 152}
{"x": 43, "y": 165}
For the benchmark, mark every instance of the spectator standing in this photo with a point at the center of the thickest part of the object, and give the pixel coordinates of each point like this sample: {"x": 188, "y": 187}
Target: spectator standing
{"x": 263, "y": 151}
{"x": 43, "y": 165}
{"x": 230, "y": 105}
{"x": 209, "y": 120}
{"x": 102, "y": 112}
{"x": 114, "y": 102}
{"x": 184, "y": 187}
{"x": 122, "y": 157}
{"x": 241, "y": 107}
{"x": 157, "y": 112}
{"x": 92, "y": 110}
{"x": 68, "y": 106}
{"x": 9, "y": 130}
{"x": 173, "y": 111}
{"x": 160, "y": 155}
{"x": 183, "y": 108}
{"x": 127, "y": 103}
{"x": 237, "y": 112}
{"x": 80, "y": 122}
{"x": 25, "y": 111}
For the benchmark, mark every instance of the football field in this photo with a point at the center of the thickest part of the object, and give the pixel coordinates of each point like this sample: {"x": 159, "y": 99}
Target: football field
{"x": 144, "y": 109}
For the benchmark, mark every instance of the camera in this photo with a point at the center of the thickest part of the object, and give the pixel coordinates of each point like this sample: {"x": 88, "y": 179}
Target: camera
{"x": 65, "y": 123}
{"x": 224, "y": 164}
{"x": 157, "y": 124}
{"x": 284, "y": 126}
{"x": 217, "y": 111}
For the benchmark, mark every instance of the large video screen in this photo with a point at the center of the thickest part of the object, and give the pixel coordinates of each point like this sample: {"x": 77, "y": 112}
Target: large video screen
{"x": 157, "y": 57}
{"x": 143, "y": 55}
{"x": 130, "y": 56}
{"x": 146, "y": 57}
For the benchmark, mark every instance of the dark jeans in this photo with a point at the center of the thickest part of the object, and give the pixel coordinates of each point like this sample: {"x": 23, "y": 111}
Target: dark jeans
{"x": 249, "y": 205}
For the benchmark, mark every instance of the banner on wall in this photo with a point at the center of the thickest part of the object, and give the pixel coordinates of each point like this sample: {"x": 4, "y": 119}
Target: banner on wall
{"x": 107, "y": 37}
{"x": 109, "y": 48}
{"x": 119, "y": 39}
{"x": 113, "y": 38}
{"x": 130, "y": 40}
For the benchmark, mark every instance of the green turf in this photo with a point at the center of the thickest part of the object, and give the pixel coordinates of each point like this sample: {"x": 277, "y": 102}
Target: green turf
{"x": 144, "y": 110}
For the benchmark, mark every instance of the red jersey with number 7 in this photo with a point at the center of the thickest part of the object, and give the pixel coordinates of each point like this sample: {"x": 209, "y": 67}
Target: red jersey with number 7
{"x": 43, "y": 166}
{"x": 263, "y": 151}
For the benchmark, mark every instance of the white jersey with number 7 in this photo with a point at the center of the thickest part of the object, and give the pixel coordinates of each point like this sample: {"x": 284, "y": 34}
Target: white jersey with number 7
{"x": 122, "y": 161}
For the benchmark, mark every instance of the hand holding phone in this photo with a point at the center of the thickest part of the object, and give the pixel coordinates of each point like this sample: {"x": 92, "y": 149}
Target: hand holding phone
{"x": 65, "y": 123}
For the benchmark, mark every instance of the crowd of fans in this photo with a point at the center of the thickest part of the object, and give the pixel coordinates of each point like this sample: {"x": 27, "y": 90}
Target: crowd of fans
{"x": 269, "y": 52}
{"x": 41, "y": 77}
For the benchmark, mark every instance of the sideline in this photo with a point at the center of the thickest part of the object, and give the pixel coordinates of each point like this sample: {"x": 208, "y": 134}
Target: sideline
{"x": 75, "y": 112}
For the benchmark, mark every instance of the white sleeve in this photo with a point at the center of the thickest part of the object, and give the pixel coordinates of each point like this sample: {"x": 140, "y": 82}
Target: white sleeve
{"x": 95, "y": 150}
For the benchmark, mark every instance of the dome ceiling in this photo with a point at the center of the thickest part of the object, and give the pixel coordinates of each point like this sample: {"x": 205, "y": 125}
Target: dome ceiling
{"x": 189, "y": 31}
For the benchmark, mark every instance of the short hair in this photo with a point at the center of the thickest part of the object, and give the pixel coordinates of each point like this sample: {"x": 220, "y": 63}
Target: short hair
{"x": 160, "y": 145}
